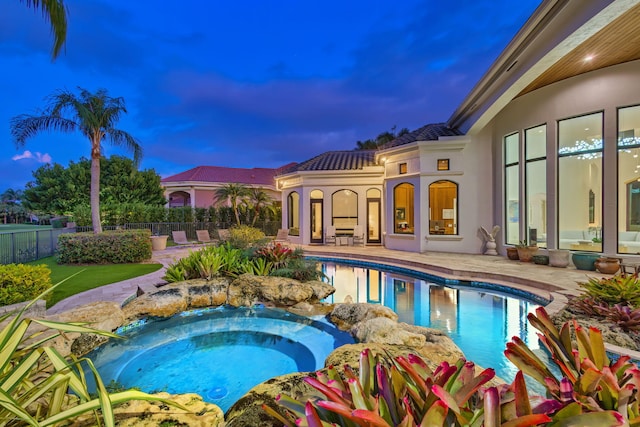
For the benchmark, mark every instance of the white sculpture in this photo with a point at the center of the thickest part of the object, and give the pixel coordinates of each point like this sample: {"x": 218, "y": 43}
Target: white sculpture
{"x": 489, "y": 239}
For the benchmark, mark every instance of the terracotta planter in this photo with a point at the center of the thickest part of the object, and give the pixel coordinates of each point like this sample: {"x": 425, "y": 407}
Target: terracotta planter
{"x": 512, "y": 253}
{"x": 159, "y": 243}
{"x": 607, "y": 265}
{"x": 559, "y": 257}
{"x": 526, "y": 253}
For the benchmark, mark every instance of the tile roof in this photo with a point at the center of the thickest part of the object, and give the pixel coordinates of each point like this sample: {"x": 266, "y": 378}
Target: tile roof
{"x": 255, "y": 176}
{"x": 338, "y": 160}
{"x": 429, "y": 132}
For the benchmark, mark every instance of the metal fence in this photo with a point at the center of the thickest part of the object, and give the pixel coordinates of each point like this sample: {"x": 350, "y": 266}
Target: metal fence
{"x": 270, "y": 228}
{"x": 25, "y": 246}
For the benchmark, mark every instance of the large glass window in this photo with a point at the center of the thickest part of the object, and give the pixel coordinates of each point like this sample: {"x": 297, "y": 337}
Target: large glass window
{"x": 443, "y": 207}
{"x": 536, "y": 184}
{"x": 629, "y": 179}
{"x": 512, "y": 188}
{"x": 344, "y": 211}
{"x": 580, "y": 183}
{"x": 293, "y": 211}
{"x": 403, "y": 221}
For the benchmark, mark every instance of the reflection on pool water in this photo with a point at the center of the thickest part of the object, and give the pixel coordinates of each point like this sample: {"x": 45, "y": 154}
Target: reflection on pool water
{"x": 219, "y": 354}
{"x": 479, "y": 320}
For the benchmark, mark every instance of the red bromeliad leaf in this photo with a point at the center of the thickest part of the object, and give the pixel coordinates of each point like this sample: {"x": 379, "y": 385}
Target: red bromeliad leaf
{"x": 491, "y": 408}
{"x": 473, "y": 385}
{"x": 446, "y": 398}
{"x": 528, "y": 421}
{"x": 330, "y": 393}
{"x": 436, "y": 415}
{"x": 521, "y": 395}
{"x": 312, "y": 416}
{"x": 337, "y": 408}
{"x": 373, "y": 419}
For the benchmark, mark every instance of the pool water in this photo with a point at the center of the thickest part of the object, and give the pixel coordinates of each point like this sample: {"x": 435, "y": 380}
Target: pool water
{"x": 219, "y": 353}
{"x": 480, "y": 319}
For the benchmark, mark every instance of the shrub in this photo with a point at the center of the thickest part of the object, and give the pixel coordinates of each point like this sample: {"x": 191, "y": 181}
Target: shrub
{"x": 299, "y": 269}
{"x": 278, "y": 254}
{"x": 19, "y": 282}
{"x": 614, "y": 290}
{"x": 110, "y": 247}
{"x": 244, "y": 236}
{"x": 209, "y": 262}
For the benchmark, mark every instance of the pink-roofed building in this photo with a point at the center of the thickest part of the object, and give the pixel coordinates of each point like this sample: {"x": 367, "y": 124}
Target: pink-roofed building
{"x": 196, "y": 187}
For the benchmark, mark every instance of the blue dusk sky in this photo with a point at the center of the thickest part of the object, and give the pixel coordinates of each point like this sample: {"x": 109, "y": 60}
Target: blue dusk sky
{"x": 247, "y": 83}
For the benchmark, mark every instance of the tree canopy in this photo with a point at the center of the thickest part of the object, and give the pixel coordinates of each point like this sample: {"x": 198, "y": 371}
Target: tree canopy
{"x": 381, "y": 139}
{"x": 56, "y": 189}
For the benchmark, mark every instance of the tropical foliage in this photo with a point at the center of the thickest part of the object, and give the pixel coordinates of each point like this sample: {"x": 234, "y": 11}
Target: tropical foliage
{"x": 272, "y": 259}
{"x": 95, "y": 116}
{"x": 40, "y": 387}
{"x": 381, "y": 139}
{"x": 233, "y": 194}
{"x": 55, "y": 12}
{"x": 58, "y": 190}
{"x": 592, "y": 391}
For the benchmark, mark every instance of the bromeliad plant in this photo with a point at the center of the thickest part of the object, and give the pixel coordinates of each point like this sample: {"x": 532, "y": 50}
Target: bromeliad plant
{"x": 618, "y": 289}
{"x": 405, "y": 392}
{"x": 593, "y": 390}
{"x": 40, "y": 387}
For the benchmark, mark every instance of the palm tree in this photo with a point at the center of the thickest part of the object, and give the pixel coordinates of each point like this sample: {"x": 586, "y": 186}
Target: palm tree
{"x": 232, "y": 193}
{"x": 11, "y": 196}
{"x": 94, "y": 115}
{"x": 55, "y": 12}
{"x": 258, "y": 198}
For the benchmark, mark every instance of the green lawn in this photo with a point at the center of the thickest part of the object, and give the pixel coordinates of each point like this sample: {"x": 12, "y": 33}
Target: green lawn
{"x": 93, "y": 276}
{"x": 10, "y": 228}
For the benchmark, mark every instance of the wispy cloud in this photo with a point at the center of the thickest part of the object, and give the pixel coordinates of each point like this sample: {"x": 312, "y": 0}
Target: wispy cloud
{"x": 37, "y": 156}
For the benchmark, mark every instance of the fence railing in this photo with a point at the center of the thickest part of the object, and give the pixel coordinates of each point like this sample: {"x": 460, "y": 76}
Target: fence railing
{"x": 25, "y": 246}
{"x": 270, "y": 228}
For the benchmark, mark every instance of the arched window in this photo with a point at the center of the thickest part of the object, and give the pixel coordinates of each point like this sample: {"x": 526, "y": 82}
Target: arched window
{"x": 293, "y": 211}
{"x": 443, "y": 207}
{"x": 344, "y": 211}
{"x": 403, "y": 221}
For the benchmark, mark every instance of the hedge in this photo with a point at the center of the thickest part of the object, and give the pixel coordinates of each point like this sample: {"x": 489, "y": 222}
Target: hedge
{"x": 109, "y": 247}
{"x": 20, "y": 282}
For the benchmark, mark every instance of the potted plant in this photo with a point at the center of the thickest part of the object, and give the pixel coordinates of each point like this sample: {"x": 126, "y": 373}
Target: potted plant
{"x": 512, "y": 253}
{"x": 526, "y": 251}
{"x": 559, "y": 257}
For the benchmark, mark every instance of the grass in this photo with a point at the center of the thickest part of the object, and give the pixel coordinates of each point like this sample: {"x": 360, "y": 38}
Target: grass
{"x": 92, "y": 277}
{"x": 10, "y": 228}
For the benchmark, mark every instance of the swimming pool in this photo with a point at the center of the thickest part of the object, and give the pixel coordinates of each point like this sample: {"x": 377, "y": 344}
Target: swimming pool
{"x": 218, "y": 353}
{"x": 479, "y": 317}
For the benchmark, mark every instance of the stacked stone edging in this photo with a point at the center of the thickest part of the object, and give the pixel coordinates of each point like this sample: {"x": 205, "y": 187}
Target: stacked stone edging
{"x": 371, "y": 325}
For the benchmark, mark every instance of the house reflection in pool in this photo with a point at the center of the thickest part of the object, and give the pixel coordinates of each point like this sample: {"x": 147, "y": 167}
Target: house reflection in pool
{"x": 479, "y": 321}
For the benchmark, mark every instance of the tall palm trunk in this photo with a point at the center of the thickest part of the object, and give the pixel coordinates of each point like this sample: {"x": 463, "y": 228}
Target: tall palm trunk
{"x": 95, "y": 186}
{"x": 235, "y": 212}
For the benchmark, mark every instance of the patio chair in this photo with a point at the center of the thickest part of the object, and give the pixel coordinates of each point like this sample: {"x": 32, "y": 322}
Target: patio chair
{"x": 282, "y": 236}
{"x": 358, "y": 235}
{"x": 180, "y": 238}
{"x": 204, "y": 236}
{"x": 330, "y": 235}
{"x": 224, "y": 234}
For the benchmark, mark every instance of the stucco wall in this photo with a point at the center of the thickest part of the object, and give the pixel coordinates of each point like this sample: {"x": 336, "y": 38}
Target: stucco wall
{"x": 602, "y": 90}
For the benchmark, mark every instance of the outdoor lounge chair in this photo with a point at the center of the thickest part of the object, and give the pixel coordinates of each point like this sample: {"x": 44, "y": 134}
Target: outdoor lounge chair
{"x": 204, "y": 236}
{"x": 180, "y": 238}
{"x": 282, "y": 236}
{"x": 358, "y": 235}
{"x": 330, "y": 235}
{"x": 224, "y": 234}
